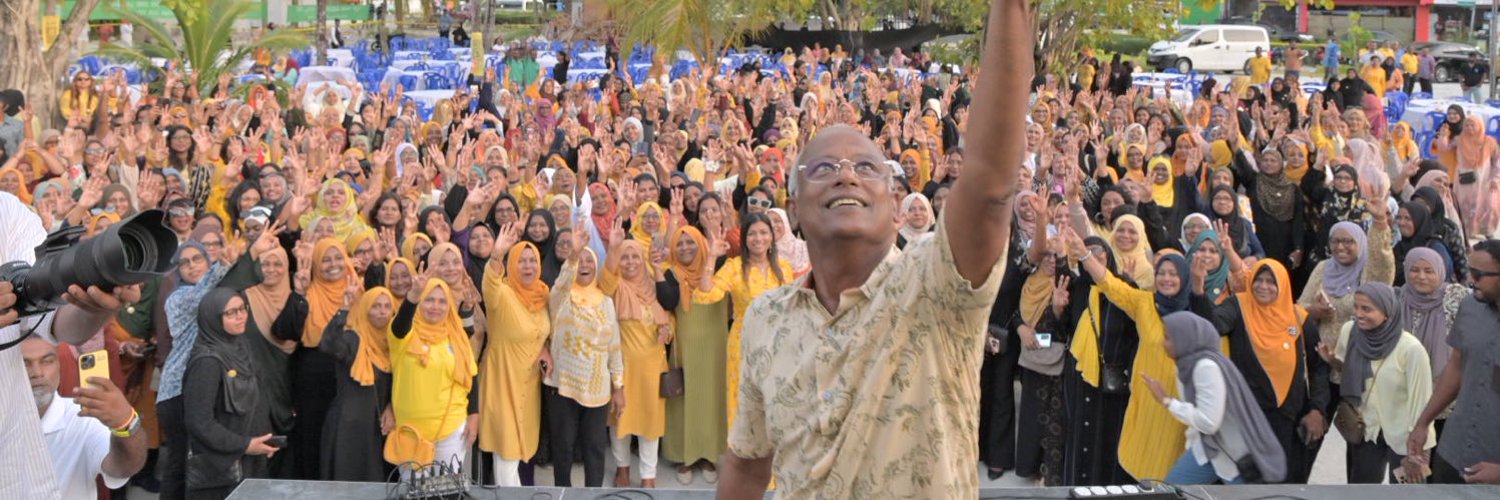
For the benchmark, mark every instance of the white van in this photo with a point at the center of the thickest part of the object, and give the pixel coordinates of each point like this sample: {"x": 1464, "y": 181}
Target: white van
{"x": 1211, "y": 47}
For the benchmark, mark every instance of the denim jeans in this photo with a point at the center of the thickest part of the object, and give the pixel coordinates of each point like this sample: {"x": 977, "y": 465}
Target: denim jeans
{"x": 1189, "y": 471}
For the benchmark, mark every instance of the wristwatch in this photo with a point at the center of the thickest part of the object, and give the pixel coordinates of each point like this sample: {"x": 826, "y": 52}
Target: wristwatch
{"x": 131, "y": 426}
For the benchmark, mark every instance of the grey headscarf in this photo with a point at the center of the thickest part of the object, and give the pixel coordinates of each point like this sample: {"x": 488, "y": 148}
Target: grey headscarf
{"x": 1368, "y": 345}
{"x": 1195, "y": 339}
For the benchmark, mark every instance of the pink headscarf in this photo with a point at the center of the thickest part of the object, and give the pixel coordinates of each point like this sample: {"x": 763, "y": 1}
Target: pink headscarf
{"x": 1375, "y": 114}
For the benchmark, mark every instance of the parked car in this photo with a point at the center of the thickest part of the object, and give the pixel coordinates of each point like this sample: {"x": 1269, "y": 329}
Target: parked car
{"x": 1211, "y": 47}
{"x": 1276, "y": 32}
{"x": 1451, "y": 58}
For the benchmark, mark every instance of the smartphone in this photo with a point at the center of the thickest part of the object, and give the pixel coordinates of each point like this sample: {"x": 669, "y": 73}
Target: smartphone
{"x": 93, "y": 364}
{"x": 278, "y": 441}
{"x": 1044, "y": 339}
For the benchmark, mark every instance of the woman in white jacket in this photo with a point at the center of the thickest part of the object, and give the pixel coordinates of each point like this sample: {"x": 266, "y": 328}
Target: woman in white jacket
{"x": 1228, "y": 439}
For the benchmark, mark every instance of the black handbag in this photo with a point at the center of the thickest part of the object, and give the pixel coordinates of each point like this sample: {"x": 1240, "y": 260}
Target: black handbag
{"x": 1249, "y": 472}
{"x": 672, "y": 383}
{"x": 212, "y": 471}
{"x": 1469, "y": 177}
{"x": 1113, "y": 377}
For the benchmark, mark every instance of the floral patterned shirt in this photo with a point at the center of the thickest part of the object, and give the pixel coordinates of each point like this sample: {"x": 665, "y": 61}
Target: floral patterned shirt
{"x": 879, "y": 399}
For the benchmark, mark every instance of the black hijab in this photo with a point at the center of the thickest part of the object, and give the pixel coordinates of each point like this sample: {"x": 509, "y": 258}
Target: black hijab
{"x": 551, "y": 265}
{"x": 1239, "y": 228}
{"x": 239, "y": 393}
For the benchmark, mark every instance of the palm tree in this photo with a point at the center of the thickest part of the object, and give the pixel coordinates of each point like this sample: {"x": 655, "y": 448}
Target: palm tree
{"x": 702, "y": 27}
{"x": 207, "y": 43}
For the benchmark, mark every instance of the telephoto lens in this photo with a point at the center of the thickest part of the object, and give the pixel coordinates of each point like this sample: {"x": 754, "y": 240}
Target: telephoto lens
{"x": 129, "y": 252}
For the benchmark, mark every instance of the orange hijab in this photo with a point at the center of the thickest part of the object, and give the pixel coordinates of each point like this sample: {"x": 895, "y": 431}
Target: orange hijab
{"x": 425, "y": 334}
{"x": 374, "y": 353}
{"x": 635, "y": 299}
{"x": 1275, "y": 329}
{"x": 688, "y": 274}
{"x": 324, "y": 297}
{"x": 1474, "y": 148}
{"x": 533, "y": 295}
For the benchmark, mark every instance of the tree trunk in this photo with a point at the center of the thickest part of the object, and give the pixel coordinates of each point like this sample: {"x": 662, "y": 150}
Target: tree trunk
{"x": 322, "y": 30}
{"x": 24, "y": 65}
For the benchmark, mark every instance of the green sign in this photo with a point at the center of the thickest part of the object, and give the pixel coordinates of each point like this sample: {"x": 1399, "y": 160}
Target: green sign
{"x": 309, "y": 13}
{"x": 153, "y": 9}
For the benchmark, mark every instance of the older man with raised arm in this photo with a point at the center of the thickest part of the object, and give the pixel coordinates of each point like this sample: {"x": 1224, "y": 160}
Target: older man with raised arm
{"x": 861, "y": 379}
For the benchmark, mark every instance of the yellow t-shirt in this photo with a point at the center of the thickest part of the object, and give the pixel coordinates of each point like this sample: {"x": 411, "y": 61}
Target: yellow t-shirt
{"x": 1260, "y": 70}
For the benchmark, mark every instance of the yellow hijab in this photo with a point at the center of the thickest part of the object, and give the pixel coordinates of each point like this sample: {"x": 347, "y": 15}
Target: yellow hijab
{"x": 1136, "y": 262}
{"x": 638, "y": 229}
{"x": 587, "y": 296}
{"x": 427, "y": 334}
{"x": 1165, "y": 193}
{"x": 345, "y": 220}
{"x": 409, "y": 248}
{"x": 533, "y": 295}
{"x": 374, "y": 353}
{"x": 324, "y": 297}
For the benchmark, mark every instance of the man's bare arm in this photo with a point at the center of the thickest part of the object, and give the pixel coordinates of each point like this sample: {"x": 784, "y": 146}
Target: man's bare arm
{"x": 983, "y": 196}
{"x": 743, "y": 478}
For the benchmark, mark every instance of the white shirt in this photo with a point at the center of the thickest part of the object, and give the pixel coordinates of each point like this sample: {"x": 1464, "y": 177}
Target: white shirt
{"x": 77, "y": 446}
{"x": 1205, "y": 417}
{"x": 25, "y": 471}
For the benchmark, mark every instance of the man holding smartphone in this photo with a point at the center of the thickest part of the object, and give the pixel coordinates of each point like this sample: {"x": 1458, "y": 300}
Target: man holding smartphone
{"x": 25, "y": 471}
{"x": 95, "y": 433}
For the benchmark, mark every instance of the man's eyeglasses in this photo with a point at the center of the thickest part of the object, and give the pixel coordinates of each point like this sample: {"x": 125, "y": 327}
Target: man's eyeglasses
{"x": 825, "y": 171}
{"x": 180, "y": 212}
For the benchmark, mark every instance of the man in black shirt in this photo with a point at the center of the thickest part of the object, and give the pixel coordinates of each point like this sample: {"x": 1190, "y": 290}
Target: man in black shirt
{"x": 1474, "y": 75}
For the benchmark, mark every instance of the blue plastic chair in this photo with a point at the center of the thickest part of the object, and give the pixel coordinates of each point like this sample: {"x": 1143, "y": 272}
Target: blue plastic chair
{"x": 1436, "y": 118}
{"x": 436, "y": 80}
{"x": 1492, "y": 126}
{"x": 1421, "y": 95}
{"x": 408, "y": 82}
{"x": 90, "y": 64}
{"x": 1424, "y": 142}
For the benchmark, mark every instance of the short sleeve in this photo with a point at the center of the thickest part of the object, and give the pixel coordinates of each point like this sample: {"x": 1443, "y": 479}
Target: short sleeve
{"x": 932, "y": 258}
{"x": 749, "y": 438}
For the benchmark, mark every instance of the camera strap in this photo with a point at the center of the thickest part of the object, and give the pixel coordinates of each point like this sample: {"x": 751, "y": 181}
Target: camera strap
{"x": 24, "y": 335}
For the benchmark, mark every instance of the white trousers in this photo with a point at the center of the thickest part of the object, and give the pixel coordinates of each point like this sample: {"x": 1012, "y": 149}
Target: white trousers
{"x": 450, "y": 449}
{"x": 620, "y": 446}
{"x": 507, "y": 472}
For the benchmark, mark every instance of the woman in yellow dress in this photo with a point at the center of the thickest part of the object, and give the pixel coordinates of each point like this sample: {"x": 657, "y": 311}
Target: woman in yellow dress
{"x": 645, "y": 329}
{"x": 742, "y": 278}
{"x": 432, "y": 374}
{"x": 515, "y": 356}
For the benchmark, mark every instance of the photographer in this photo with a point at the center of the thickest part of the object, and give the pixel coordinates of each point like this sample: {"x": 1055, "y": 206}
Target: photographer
{"x": 23, "y": 454}
{"x": 95, "y": 433}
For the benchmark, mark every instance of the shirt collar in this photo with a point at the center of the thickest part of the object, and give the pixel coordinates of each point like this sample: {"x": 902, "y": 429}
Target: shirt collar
{"x": 56, "y": 417}
{"x": 803, "y": 287}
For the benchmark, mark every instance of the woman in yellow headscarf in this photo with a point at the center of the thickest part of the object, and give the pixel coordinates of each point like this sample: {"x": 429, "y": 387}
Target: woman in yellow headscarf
{"x": 14, "y": 182}
{"x": 645, "y": 329}
{"x": 415, "y": 248}
{"x": 101, "y": 222}
{"x": 515, "y": 358}
{"x": 696, "y": 422}
{"x": 649, "y": 222}
{"x": 337, "y": 203}
{"x": 914, "y": 166}
{"x": 359, "y": 339}
{"x": 432, "y": 372}
{"x": 399, "y": 274}
{"x": 1128, "y": 239}
{"x": 1401, "y": 140}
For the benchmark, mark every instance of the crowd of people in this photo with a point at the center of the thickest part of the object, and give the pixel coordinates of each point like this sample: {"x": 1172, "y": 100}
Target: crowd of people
{"x": 533, "y": 277}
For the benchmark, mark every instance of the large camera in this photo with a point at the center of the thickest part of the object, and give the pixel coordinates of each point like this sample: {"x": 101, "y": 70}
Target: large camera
{"x": 129, "y": 252}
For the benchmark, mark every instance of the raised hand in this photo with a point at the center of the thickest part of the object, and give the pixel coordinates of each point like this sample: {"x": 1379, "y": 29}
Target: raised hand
{"x": 352, "y": 290}
{"x": 419, "y": 282}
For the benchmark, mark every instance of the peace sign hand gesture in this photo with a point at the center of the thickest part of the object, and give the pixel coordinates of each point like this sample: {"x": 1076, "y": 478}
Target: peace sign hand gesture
{"x": 352, "y": 290}
{"x": 424, "y": 274}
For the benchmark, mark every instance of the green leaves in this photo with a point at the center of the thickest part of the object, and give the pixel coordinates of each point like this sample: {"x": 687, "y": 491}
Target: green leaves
{"x": 207, "y": 43}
